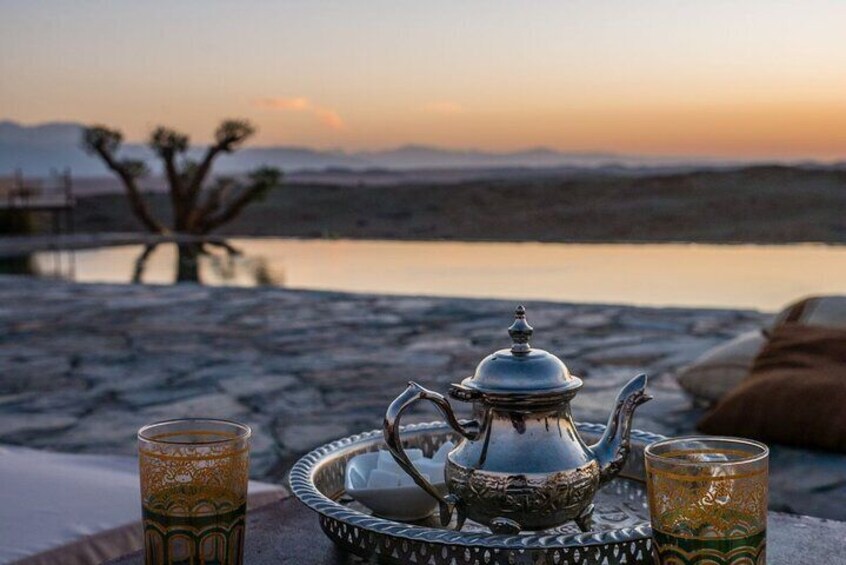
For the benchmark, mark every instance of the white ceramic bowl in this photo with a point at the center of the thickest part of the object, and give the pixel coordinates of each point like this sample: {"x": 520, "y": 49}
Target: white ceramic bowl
{"x": 375, "y": 480}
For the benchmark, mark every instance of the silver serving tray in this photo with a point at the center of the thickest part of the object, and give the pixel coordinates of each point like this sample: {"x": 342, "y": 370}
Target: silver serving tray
{"x": 622, "y": 534}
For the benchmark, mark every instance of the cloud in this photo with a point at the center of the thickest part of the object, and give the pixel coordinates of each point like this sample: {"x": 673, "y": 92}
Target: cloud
{"x": 296, "y": 104}
{"x": 326, "y": 116}
{"x": 329, "y": 118}
{"x": 444, "y": 107}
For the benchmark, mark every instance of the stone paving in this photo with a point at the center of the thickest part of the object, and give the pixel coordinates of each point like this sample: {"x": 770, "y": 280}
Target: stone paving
{"x": 83, "y": 366}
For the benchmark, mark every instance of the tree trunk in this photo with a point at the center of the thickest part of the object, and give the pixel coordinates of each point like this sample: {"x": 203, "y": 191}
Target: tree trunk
{"x": 187, "y": 262}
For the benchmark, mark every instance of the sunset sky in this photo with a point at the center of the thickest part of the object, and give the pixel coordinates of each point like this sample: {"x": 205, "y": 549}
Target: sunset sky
{"x": 744, "y": 78}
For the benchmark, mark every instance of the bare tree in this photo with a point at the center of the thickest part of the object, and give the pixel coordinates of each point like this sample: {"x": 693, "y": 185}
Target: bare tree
{"x": 200, "y": 204}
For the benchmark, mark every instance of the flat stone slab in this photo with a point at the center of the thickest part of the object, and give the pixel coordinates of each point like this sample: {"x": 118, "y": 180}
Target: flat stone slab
{"x": 83, "y": 366}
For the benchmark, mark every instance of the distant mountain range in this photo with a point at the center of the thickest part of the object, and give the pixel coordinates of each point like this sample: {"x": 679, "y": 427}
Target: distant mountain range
{"x": 38, "y": 149}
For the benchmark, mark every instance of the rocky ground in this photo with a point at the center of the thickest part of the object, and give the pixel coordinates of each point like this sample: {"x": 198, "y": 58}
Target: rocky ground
{"x": 83, "y": 366}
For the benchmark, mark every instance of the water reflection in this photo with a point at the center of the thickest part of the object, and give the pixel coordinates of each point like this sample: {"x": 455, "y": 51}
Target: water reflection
{"x": 187, "y": 262}
{"x": 216, "y": 263}
{"x": 762, "y": 277}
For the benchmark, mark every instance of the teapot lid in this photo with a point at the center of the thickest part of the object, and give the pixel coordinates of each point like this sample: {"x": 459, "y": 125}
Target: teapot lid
{"x": 522, "y": 371}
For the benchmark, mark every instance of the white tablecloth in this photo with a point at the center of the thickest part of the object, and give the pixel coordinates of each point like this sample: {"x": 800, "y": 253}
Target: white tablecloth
{"x": 88, "y": 504}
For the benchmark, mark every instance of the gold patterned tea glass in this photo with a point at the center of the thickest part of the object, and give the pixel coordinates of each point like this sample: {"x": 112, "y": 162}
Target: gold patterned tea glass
{"x": 194, "y": 476}
{"x": 708, "y": 500}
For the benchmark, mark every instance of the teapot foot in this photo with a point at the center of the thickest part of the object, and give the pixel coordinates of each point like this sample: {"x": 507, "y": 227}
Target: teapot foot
{"x": 505, "y": 526}
{"x": 585, "y": 519}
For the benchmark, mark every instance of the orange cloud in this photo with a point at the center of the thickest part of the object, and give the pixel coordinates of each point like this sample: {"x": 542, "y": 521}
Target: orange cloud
{"x": 326, "y": 116}
{"x": 444, "y": 107}
{"x": 329, "y": 118}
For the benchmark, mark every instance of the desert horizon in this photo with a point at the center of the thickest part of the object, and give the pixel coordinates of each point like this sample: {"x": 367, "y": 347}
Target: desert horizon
{"x": 37, "y": 149}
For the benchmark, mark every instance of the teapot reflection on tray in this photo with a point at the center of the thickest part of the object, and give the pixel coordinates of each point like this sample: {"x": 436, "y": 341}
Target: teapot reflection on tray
{"x": 520, "y": 464}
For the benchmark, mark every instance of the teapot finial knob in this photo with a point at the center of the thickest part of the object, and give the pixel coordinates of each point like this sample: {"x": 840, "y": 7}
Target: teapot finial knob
{"x": 520, "y": 332}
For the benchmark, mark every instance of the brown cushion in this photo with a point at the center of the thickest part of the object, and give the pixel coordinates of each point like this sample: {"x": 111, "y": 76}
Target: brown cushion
{"x": 795, "y": 393}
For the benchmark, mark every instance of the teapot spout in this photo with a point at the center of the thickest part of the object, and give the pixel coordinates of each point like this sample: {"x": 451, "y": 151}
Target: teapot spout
{"x": 613, "y": 447}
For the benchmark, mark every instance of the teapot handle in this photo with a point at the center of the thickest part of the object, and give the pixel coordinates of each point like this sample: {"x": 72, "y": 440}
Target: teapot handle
{"x": 391, "y": 430}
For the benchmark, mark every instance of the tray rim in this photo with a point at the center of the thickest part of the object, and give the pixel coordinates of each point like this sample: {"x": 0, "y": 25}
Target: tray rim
{"x": 301, "y": 480}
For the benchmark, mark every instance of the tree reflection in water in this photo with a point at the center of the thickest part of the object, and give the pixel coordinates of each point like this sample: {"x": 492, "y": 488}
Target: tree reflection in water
{"x": 226, "y": 266}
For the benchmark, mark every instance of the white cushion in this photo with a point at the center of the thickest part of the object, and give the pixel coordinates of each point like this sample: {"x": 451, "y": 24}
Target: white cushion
{"x": 722, "y": 368}
{"x": 84, "y": 508}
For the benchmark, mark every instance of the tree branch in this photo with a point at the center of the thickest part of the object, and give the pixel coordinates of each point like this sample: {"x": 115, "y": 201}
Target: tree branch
{"x": 215, "y": 197}
{"x": 228, "y": 137}
{"x": 261, "y": 181}
{"x": 176, "y": 190}
{"x": 185, "y": 178}
{"x": 172, "y": 174}
{"x": 200, "y": 175}
{"x": 168, "y": 143}
{"x": 232, "y": 210}
{"x": 136, "y": 201}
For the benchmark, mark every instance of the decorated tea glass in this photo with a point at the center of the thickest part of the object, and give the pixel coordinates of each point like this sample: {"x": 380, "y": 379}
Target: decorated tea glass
{"x": 708, "y": 500}
{"x": 194, "y": 475}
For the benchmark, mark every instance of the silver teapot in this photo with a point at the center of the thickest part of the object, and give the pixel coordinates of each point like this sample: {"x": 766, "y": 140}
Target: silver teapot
{"x": 521, "y": 464}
